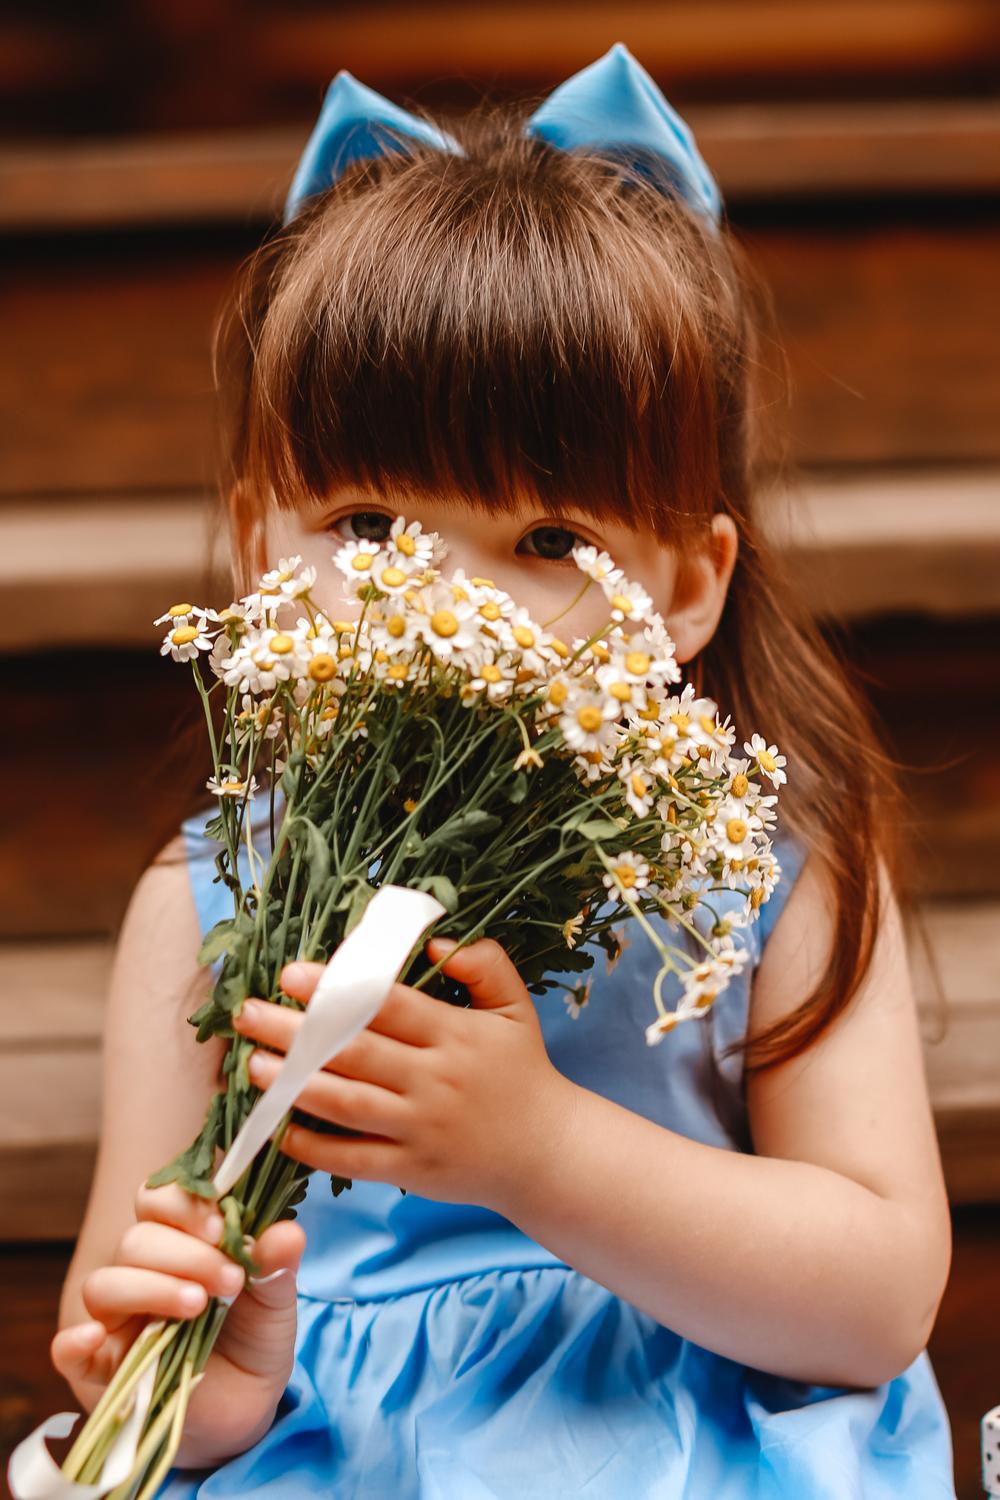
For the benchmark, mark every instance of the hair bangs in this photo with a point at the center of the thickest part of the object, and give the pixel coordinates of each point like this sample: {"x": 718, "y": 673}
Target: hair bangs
{"x": 499, "y": 338}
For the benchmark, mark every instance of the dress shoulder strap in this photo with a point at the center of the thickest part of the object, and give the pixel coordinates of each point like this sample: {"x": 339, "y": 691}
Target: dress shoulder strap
{"x": 791, "y": 853}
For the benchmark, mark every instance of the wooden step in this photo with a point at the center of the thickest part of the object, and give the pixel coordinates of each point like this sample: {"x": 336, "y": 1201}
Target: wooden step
{"x": 757, "y": 152}
{"x": 85, "y": 571}
{"x": 50, "y": 1081}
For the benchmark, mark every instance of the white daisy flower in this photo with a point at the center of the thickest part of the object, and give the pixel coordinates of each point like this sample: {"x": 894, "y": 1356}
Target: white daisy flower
{"x": 494, "y": 679}
{"x": 587, "y": 721}
{"x": 629, "y": 870}
{"x": 180, "y": 614}
{"x": 231, "y": 786}
{"x": 357, "y": 560}
{"x": 733, "y": 828}
{"x": 577, "y": 998}
{"x": 185, "y": 641}
{"x": 629, "y": 601}
{"x": 597, "y": 565}
{"x": 767, "y": 758}
{"x": 446, "y": 624}
{"x": 639, "y": 785}
{"x": 423, "y": 549}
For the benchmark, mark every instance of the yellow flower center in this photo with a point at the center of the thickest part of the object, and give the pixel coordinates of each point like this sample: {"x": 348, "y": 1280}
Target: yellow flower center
{"x": 707, "y": 723}
{"x": 393, "y": 577}
{"x": 361, "y": 562}
{"x": 622, "y": 691}
{"x": 740, "y": 784}
{"x": 443, "y": 622}
{"x": 322, "y": 667}
{"x": 736, "y": 830}
{"x": 704, "y": 1000}
{"x": 343, "y": 627}
{"x": 559, "y": 647}
{"x": 179, "y": 609}
{"x": 589, "y": 718}
{"x": 457, "y": 592}
{"x": 523, "y": 636}
{"x": 682, "y": 722}
{"x": 622, "y": 602}
{"x": 410, "y": 805}
{"x": 638, "y": 784}
{"x": 766, "y": 760}
{"x": 483, "y": 583}
{"x": 601, "y": 651}
{"x": 672, "y": 814}
{"x": 405, "y": 544}
{"x": 395, "y": 626}
{"x": 558, "y": 692}
{"x": 183, "y": 634}
{"x": 282, "y": 644}
{"x": 490, "y": 610}
{"x": 637, "y": 662}
{"x": 491, "y": 673}
{"x": 626, "y": 874}
{"x": 398, "y": 671}
{"x": 757, "y": 897}
{"x": 380, "y": 655}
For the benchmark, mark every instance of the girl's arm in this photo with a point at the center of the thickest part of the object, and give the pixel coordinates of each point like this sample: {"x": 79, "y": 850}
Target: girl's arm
{"x": 824, "y": 1257}
{"x": 157, "y": 1079}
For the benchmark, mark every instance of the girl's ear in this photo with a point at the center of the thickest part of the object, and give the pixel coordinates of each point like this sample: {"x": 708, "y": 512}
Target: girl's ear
{"x": 700, "y": 588}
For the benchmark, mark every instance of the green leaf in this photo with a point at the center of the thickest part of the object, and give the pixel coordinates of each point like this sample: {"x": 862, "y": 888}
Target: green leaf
{"x": 317, "y": 850}
{"x": 224, "y": 937}
{"x": 439, "y": 886}
{"x": 338, "y": 1184}
{"x": 598, "y": 828}
{"x": 518, "y": 788}
{"x": 457, "y": 834}
{"x": 360, "y": 897}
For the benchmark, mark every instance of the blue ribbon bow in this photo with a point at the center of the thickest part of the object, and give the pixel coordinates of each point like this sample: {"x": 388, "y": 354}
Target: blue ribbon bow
{"x": 612, "y": 106}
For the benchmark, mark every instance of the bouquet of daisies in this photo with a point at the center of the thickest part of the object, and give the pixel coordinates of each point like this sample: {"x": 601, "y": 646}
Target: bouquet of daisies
{"x": 443, "y": 742}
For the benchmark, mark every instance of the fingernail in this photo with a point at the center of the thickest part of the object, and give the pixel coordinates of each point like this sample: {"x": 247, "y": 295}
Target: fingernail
{"x": 214, "y": 1225}
{"x": 445, "y": 943}
{"x": 249, "y": 1011}
{"x": 272, "y": 1276}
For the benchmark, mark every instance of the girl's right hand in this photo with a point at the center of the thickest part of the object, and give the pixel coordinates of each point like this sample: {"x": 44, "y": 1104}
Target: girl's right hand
{"x": 166, "y": 1266}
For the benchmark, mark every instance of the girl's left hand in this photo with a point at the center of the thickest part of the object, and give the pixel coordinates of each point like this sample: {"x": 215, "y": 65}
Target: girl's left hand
{"x": 455, "y": 1103}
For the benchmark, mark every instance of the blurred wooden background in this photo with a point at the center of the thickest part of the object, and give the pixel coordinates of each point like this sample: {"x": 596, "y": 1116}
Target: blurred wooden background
{"x": 143, "y": 152}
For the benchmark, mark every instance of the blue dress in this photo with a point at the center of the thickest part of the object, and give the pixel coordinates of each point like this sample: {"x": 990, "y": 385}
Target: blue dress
{"x": 443, "y": 1354}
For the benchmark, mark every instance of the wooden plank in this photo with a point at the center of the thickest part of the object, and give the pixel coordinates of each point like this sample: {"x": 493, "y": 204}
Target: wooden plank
{"x": 85, "y": 571}
{"x": 694, "y": 41}
{"x": 757, "y": 152}
{"x": 51, "y": 1043}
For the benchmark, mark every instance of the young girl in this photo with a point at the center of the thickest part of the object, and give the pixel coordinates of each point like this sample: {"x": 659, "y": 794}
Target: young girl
{"x": 706, "y": 1268}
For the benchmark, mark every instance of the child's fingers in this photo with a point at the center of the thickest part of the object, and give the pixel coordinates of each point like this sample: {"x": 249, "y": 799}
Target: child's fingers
{"x": 113, "y": 1294}
{"x": 172, "y": 1204}
{"x": 86, "y": 1351}
{"x": 161, "y": 1247}
{"x": 73, "y": 1349}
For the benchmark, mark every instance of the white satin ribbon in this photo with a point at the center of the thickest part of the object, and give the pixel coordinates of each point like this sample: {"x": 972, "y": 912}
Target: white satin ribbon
{"x": 351, "y": 990}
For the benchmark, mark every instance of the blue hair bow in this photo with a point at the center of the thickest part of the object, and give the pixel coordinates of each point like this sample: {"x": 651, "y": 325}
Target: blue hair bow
{"x": 612, "y": 105}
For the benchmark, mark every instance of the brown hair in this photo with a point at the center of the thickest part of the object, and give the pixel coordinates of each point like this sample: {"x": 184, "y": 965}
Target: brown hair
{"x": 520, "y": 322}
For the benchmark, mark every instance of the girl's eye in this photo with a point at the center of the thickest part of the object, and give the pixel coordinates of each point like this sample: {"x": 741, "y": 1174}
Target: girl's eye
{"x": 554, "y": 543}
{"x": 366, "y": 525}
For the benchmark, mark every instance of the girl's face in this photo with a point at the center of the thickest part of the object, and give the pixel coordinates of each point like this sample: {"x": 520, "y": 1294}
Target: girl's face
{"x": 530, "y": 556}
